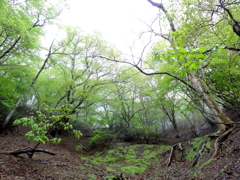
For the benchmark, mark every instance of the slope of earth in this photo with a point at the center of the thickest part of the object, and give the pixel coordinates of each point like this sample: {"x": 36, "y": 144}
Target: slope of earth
{"x": 122, "y": 160}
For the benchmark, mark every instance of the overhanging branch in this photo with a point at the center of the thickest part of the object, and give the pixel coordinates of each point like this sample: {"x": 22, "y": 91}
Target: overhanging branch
{"x": 146, "y": 73}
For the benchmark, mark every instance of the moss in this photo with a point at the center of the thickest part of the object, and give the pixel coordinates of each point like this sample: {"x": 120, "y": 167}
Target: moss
{"x": 150, "y": 156}
{"x": 94, "y": 162}
{"x": 150, "y": 146}
{"x": 130, "y": 157}
{"x": 92, "y": 176}
{"x": 109, "y": 177}
{"x": 195, "y": 174}
{"x": 208, "y": 144}
{"x": 131, "y": 151}
{"x": 110, "y": 151}
{"x": 206, "y": 163}
{"x": 140, "y": 162}
{"x": 78, "y": 148}
{"x": 192, "y": 151}
{"x": 146, "y": 152}
{"x": 164, "y": 148}
{"x": 115, "y": 165}
{"x": 87, "y": 165}
{"x": 110, "y": 169}
{"x": 133, "y": 169}
{"x": 122, "y": 150}
{"x": 110, "y": 159}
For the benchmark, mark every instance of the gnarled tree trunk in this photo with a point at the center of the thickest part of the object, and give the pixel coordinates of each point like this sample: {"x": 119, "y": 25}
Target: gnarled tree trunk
{"x": 203, "y": 93}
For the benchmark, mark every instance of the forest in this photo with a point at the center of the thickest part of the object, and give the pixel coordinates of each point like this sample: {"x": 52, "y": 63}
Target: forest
{"x": 187, "y": 86}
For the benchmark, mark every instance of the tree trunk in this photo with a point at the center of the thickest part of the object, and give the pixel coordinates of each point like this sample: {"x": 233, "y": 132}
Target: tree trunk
{"x": 28, "y": 89}
{"x": 203, "y": 93}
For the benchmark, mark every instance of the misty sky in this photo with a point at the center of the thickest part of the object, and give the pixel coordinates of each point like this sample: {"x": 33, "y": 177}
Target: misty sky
{"x": 119, "y": 21}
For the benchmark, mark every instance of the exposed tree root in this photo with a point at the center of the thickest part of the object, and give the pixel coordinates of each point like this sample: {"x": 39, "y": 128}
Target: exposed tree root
{"x": 195, "y": 161}
{"x": 216, "y": 143}
{"x": 179, "y": 146}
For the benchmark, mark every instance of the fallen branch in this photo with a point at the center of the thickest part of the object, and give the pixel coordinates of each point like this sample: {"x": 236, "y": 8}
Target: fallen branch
{"x": 169, "y": 160}
{"x": 83, "y": 147}
{"x": 216, "y": 143}
{"x": 29, "y": 152}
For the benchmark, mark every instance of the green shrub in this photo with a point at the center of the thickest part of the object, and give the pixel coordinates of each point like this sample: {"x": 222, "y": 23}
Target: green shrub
{"x": 101, "y": 138}
{"x": 78, "y": 148}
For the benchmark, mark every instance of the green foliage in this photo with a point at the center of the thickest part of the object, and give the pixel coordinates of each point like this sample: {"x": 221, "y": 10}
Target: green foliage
{"x": 110, "y": 169}
{"x": 92, "y": 176}
{"x": 130, "y": 156}
{"x": 206, "y": 163}
{"x": 101, "y": 138}
{"x": 133, "y": 169}
{"x": 164, "y": 148}
{"x": 131, "y": 151}
{"x": 147, "y": 134}
{"x": 195, "y": 145}
{"x": 41, "y": 125}
{"x": 196, "y": 174}
{"x": 110, "y": 177}
{"x": 78, "y": 148}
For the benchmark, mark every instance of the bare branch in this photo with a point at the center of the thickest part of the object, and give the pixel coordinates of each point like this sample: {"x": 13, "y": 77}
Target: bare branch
{"x": 160, "y": 6}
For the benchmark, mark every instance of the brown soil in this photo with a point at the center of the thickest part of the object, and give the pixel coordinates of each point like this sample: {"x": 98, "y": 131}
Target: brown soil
{"x": 67, "y": 163}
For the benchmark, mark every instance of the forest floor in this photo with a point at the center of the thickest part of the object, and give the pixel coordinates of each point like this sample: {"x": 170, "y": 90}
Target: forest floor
{"x": 121, "y": 160}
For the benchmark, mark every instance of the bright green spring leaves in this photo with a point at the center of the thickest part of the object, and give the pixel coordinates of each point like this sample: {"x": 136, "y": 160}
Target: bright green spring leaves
{"x": 41, "y": 125}
{"x": 188, "y": 60}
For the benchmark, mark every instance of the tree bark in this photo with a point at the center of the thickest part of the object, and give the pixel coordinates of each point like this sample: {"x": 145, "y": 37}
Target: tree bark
{"x": 28, "y": 89}
{"x": 203, "y": 93}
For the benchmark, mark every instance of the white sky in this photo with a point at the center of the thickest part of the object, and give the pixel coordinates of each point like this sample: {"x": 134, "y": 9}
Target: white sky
{"x": 119, "y": 21}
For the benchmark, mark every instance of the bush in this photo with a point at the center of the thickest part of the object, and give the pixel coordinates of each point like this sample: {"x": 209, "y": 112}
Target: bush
{"x": 142, "y": 135}
{"x": 101, "y": 138}
{"x": 146, "y": 135}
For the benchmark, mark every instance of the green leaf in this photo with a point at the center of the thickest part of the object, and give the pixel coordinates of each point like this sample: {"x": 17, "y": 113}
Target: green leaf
{"x": 195, "y": 66}
{"x": 187, "y": 64}
{"x": 182, "y": 50}
{"x": 201, "y": 56}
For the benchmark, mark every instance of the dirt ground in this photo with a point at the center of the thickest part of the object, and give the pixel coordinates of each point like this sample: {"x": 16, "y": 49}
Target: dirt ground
{"x": 67, "y": 163}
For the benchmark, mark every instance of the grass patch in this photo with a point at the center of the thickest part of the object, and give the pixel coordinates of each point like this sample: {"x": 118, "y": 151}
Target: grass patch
{"x": 133, "y": 169}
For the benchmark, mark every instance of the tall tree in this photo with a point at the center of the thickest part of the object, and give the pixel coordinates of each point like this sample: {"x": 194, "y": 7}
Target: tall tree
{"x": 190, "y": 55}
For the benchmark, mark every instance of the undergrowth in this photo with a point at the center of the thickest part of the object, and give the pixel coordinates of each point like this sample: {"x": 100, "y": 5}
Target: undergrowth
{"x": 133, "y": 159}
{"x": 195, "y": 144}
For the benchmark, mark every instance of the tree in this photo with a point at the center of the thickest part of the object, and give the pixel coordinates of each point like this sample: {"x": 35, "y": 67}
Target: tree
{"x": 20, "y": 31}
{"x": 127, "y": 96}
{"x": 190, "y": 54}
{"x": 74, "y": 79}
